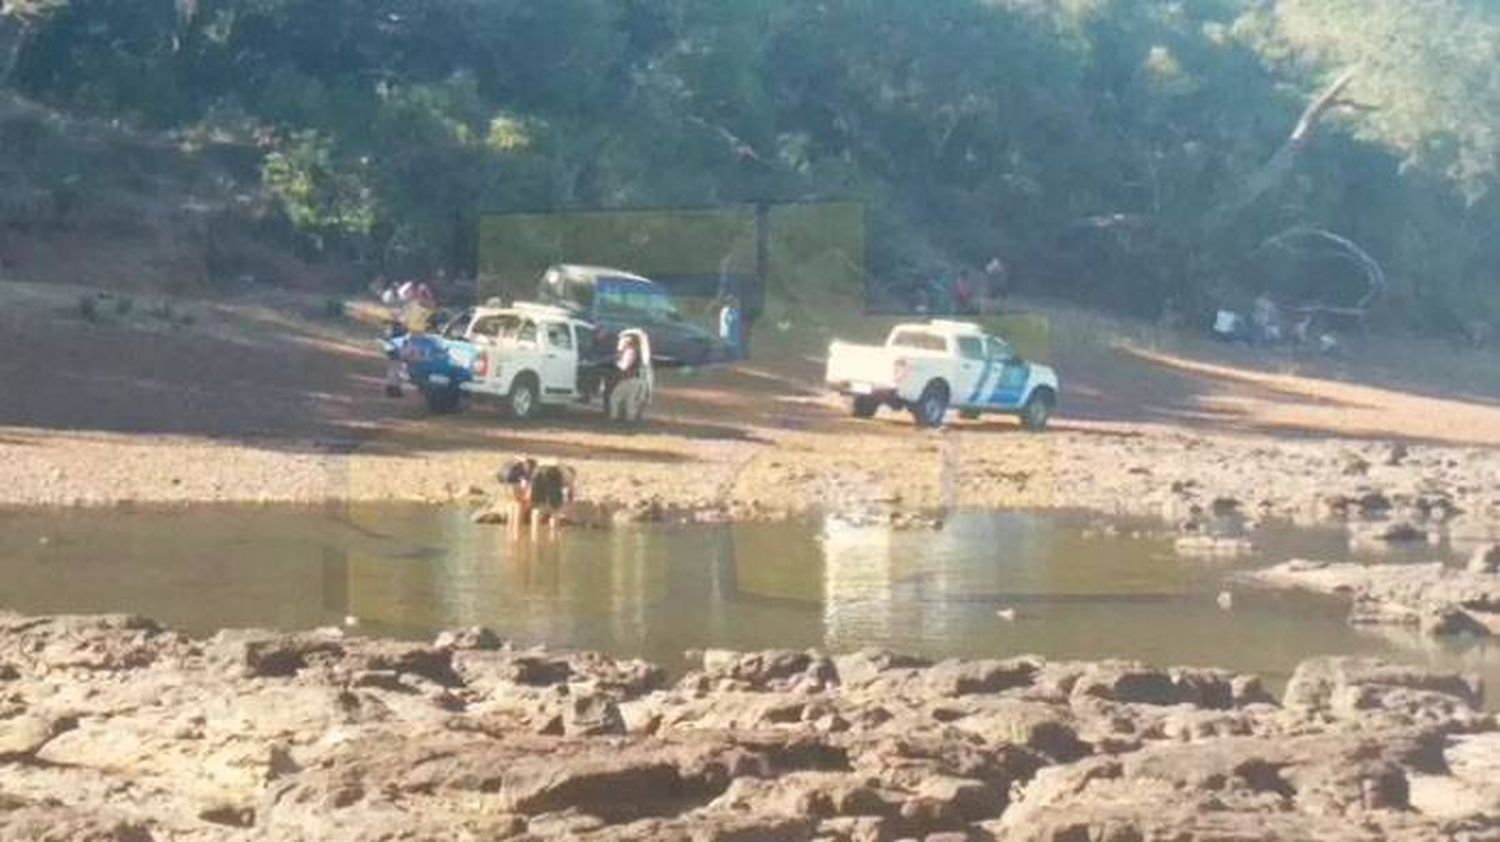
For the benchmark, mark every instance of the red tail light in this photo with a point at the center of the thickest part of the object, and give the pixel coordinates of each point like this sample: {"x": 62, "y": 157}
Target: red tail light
{"x": 481, "y": 366}
{"x": 898, "y": 371}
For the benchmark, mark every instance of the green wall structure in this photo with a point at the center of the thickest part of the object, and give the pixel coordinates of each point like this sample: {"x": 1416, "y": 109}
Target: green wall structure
{"x": 689, "y": 249}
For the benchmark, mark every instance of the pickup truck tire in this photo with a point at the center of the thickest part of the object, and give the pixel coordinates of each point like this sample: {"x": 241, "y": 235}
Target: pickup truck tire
{"x": 932, "y": 406}
{"x": 864, "y": 406}
{"x": 524, "y": 402}
{"x": 442, "y": 401}
{"x": 1038, "y": 410}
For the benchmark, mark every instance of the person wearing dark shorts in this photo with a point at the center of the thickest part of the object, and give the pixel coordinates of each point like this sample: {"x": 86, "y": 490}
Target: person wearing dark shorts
{"x": 551, "y": 491}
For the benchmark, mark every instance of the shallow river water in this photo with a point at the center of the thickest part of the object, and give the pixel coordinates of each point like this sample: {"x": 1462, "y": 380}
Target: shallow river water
{"x": 409, "y": 571}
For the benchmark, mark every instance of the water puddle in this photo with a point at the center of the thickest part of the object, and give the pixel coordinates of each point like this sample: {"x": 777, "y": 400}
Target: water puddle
{"x": 988, "y": 584}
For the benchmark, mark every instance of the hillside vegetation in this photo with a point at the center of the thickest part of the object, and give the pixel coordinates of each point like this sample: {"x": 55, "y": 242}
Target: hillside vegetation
{"x": 1118, "y": 153}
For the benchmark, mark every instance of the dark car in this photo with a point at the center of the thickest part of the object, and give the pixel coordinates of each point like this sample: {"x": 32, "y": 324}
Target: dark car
{"x": 614, "y": 300}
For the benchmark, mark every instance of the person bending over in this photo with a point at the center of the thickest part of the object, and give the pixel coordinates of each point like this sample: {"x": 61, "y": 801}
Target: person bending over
{"x": 552, "y": 489}
{"x": 518, "y": 477}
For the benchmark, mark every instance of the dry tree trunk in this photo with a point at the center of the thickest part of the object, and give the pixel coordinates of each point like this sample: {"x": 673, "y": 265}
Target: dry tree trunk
{"x": 1275, "y": 171}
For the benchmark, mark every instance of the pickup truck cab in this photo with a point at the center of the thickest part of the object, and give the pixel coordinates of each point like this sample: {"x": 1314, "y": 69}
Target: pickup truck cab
{"x": 929, "y": 368}
{"x": 525, "y": 356}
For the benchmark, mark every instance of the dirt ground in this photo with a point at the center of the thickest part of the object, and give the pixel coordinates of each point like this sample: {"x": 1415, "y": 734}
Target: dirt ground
{"x": 267, "y": 398}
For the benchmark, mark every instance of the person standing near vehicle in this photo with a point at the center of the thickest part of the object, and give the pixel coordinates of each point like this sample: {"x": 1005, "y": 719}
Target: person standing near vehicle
{"x": 385, "y": 292}
{"x": 394, "y": 330}
{"x": 420, "y": 304}
{"x": 631, "y": 388}
{"x": 731, "y": 327}
{"x": 636, "y": 383}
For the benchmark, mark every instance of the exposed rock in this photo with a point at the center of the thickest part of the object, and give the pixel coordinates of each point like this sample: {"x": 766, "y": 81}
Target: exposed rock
{"x": 268, "y": 655}
{"x": 1359, "y": 689}
{"x": 863, "y": 667}
{"x": 1485, "y": 559}
{"x": 1468, "y": 783}
{"x": 1124, "y": 681}
{"x": 592, "y": 716}
{"x": 1050, "y": 730}
{"x": 1237, "y": 788}
{"x": 490, "y": 517}
{"x": 21, "y": 738}
{"x": 475, "y": 638}
{"x": 317, "y": 735}
{"x": 229, "y": 815}
{"x": 771, "y": 670}
{"x": 963, "y": 678}
{"x": 1353, "y": 465}
{"x": 1434, "y": 598}
{"x": 1398, "y": 532}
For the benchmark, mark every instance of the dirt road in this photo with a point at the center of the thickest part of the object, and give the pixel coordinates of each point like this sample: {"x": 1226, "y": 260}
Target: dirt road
{"x": 265, "y": 399}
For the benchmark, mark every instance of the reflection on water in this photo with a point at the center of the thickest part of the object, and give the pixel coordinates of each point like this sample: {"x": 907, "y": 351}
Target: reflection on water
{"x": 410, "y": 571}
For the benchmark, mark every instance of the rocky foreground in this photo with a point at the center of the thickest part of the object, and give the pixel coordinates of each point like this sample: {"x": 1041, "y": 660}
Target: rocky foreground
{"x": 112, "y": 728}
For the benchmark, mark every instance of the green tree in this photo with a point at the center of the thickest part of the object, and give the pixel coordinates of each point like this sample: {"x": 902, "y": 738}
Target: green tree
{"x": 1426, "y": 83}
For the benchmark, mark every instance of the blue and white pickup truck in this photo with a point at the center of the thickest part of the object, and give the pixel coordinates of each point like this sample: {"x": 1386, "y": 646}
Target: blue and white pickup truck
{"x": 526, "y": 357}
{"x": 929, "y": 368}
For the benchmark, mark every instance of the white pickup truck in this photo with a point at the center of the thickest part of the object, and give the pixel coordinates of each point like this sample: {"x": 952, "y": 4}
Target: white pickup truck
{"x": 526, "y": 357}
{"x": 929, "y": 368}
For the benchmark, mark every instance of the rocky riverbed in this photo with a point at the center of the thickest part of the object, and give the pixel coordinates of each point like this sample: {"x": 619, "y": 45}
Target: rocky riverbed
{"x": 113, "y": 728}
{"x": 1439, "y": 600}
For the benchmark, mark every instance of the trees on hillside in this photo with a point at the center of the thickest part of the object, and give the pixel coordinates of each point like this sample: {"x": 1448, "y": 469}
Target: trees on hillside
{"x": 1121, "y": 151}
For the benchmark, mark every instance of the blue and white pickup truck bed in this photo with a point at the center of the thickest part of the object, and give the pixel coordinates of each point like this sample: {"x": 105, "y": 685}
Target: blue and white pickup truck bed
{"x": 930, "y": 368}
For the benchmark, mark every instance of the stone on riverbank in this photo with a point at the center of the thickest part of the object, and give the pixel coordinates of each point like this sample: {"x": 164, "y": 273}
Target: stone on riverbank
{"x": 113, "y": 728}
{"x": 1437, "y": 599}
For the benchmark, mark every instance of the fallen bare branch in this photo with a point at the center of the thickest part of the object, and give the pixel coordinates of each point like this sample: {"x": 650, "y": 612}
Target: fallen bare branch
{"x": 1292, "y": 239}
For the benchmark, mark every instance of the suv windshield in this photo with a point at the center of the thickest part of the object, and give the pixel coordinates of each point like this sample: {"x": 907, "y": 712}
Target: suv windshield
{"x": 635, "y": 301}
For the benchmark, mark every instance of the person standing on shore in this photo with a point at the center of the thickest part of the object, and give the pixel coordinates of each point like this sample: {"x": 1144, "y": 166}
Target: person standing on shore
{"x": 996, "y": 284}
{"x": 963, "y": 295}
{"x": 731, "y": 327}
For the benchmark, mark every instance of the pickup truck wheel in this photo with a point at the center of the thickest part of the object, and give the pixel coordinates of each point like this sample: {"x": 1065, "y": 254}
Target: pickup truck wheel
{"x": 930, "y": 409}
{"x": 865, "y": 406}
{"x": 442, "y": 401}
{"x": 1037, "y": 412}
{"x": 522, "y": 402}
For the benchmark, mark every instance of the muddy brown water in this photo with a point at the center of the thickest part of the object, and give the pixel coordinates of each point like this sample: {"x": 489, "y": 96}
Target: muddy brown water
{"x": 409, "y": 571}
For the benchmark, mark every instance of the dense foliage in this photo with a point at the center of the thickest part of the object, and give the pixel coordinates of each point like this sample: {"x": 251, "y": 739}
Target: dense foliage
{"x": 1121, "y": 152}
